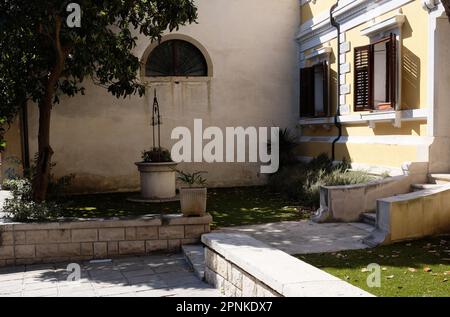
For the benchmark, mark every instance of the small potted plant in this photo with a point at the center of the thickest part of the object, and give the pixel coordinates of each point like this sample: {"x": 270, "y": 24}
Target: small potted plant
{"x": 193, "y": 196}
{"x": 158, "y": 175}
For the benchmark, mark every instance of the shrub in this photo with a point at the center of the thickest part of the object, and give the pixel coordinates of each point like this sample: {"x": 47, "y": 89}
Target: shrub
{"x": 156, "y": 155}
{"x": 302, "y": 181}
{"x": 21, "y": 206}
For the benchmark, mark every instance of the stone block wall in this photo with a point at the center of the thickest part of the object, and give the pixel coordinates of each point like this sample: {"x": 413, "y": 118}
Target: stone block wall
{"x": 241, "y": 266}
{"x": 97, "y": 239}
{"x": 231, "y": 280}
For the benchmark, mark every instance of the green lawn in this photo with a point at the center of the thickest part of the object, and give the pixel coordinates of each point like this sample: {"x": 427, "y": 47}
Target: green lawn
{"x": 420, "y": 268}
{"x": 229, "y": 206}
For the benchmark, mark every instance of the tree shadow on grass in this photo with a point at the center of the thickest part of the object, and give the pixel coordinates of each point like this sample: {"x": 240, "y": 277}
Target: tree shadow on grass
{"x": 228, "y": 206}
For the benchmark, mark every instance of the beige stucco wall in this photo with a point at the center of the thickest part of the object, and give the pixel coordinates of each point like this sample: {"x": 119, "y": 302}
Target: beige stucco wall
{"x": 11, "y": 157}
{"x": 253, "y": 52}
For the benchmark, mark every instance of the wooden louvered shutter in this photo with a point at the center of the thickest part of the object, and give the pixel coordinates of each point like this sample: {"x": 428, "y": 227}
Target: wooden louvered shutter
{"x": 363, "y": 81}
{"x": 326, "y": 89}
{"x": 391, "y": 57}
{"x": 307, "y": 92}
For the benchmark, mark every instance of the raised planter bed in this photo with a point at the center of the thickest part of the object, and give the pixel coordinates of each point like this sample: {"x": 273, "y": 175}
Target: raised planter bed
{"x": 349, "y": 203}
{"x": 76, "y": 240}
{"x": 241, "y": 266}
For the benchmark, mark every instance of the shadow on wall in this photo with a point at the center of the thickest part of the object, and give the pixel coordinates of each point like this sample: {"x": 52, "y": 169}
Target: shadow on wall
{"x": 411, "y": 72}
{"x": 411, "y": 80}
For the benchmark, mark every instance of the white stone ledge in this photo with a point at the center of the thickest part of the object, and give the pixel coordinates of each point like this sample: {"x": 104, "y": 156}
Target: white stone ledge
{"x": 358, "y": 118}
{"x": 281, "y": 272}
{"x": 412, "y": 216}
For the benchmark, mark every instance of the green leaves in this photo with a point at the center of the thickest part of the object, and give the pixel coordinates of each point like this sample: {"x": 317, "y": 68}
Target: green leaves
{"x": 192, "y": 179}
{"x": 100, "y": 49}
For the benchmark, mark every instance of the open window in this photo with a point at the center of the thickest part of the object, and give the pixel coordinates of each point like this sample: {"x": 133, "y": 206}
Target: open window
{"x": 376, "y": 75}
{"x": 314, "y": 91}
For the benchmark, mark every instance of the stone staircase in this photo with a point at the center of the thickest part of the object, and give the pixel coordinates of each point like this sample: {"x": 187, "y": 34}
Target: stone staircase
{"x": 422, "y": 212}
{"x": 434, "y": 181}
{"x": 195, "y": 258}
{"x": 369, "y": 218}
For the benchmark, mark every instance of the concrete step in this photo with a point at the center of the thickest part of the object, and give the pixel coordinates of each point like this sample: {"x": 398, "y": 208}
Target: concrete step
{"x": 439, "y": 178}
{"x": 195, "y": 257}
{"x": 369, "y": 218}
{"x": 419, "y": 187}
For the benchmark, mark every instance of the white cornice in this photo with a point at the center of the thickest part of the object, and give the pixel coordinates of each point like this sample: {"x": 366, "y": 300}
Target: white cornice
{"x": 349, "y": 13}
{"x": 319, "y": 52}
{"x": 396, "y": 22}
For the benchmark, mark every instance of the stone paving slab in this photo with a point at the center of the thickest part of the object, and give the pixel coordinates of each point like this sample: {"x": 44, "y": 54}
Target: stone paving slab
{"x": 305, "y": 237}
{"x": 150, "y": 276}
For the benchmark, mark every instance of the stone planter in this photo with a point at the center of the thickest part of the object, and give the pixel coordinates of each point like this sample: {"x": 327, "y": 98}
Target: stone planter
{"x": 158, "y": 180}
{"x": 193, "y": 201}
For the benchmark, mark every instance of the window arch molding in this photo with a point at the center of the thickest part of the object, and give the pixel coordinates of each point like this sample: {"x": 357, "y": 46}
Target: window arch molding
{"x": 171, "y": 37}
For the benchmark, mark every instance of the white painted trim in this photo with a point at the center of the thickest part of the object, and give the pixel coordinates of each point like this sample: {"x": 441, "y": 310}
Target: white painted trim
{"x": 345, "y": 89}
{"x": 405, "y": 115}
{"x": 373, "y": 139}
{"x": 429, "y": 5}
{"x": 350, "y": 14}
{"x": 396, "y": 22}
{"x": 432, "y": 24}
{"x": 303, "y": 2}
{"x": 318, "y": 53}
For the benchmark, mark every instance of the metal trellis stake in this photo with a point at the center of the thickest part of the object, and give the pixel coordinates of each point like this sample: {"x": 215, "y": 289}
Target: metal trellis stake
{"x": 156, "y": 121}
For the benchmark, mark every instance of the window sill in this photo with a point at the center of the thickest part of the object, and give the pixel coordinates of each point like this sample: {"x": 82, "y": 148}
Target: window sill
{"x": 371, "y": 118}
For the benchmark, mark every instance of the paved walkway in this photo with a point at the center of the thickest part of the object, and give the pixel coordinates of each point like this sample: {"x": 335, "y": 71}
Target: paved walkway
{"x": 303, "y": 237}
{"x": 151, "y": 276}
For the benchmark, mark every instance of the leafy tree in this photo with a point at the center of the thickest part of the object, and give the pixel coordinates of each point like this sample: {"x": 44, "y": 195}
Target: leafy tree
{"x": 42, "y": 58}
{"x": 446, "y": 4}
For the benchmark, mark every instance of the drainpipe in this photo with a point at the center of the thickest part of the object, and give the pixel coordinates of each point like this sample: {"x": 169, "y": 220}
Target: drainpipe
{"x": 337, "y": 124}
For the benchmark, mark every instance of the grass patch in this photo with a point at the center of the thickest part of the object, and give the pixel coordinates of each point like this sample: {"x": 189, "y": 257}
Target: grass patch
{"x": 419, "y": 268}
{"x": 228, "y": 206}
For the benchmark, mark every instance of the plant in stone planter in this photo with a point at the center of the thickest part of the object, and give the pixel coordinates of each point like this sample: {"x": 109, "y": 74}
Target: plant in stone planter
{"x": 157, "y": 170}
{"x": 158, "y": 175}
{"x": 156, "y": 155}
{"x": 193, "y": 196}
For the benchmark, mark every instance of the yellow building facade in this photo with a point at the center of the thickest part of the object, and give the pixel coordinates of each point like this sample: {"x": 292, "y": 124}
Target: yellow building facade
{"x": 391, "y": 106}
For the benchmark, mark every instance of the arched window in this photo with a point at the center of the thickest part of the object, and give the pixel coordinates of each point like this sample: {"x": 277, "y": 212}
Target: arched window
{"x": 176, "y": 58}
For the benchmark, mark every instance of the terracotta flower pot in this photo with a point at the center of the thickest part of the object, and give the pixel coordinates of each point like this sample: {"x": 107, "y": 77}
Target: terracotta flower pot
{"x": 384, "y": 106}
{"x": 193, "y": 201}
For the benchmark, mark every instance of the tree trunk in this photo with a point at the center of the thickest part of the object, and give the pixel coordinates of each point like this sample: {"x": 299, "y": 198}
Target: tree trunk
{"x": 45, "y": 152}
{"x": 41, "y": 176}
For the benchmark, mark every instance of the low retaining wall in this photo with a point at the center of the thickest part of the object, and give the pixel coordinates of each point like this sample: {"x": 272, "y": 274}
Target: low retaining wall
{"x": 22, "y": 243}
{"x": 411, "y": 216}
{"x": 241, "y": 266}
{"x": 348, "y": 203}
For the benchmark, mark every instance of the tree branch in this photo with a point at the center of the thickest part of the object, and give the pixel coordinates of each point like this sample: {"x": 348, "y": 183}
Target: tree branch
{"x": 446, "y": 4}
